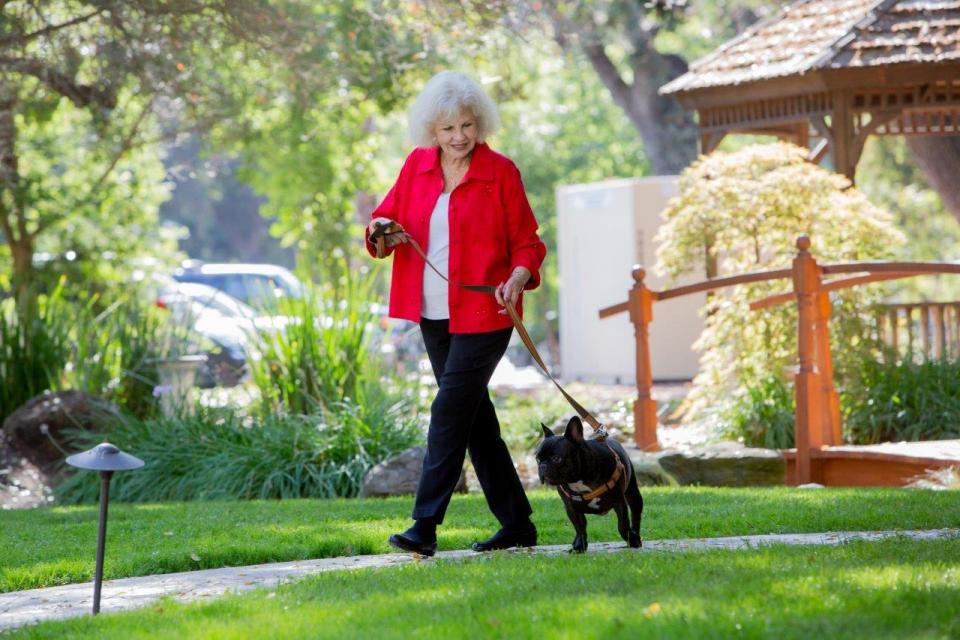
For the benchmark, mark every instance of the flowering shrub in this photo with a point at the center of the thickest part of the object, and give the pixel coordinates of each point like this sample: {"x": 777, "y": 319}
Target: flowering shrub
{"x": 741, "y": 212}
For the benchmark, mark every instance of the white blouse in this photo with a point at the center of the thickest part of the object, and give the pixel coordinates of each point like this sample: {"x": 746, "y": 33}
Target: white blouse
{"x": 435, "y": 305}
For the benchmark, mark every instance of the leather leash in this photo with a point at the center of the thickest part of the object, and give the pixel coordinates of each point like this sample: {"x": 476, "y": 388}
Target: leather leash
{"x": 377, "y": 237}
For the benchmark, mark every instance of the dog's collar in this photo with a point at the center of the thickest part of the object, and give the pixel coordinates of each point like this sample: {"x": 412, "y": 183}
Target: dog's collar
{"x": 599, "y": 491}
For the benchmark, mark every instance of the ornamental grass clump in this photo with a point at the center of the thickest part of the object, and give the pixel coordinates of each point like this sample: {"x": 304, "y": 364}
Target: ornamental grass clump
{"x": 116, "y": 350}
{"x": 220, "y": 454}
{"x": 325, "y": 352}
{"x": 34, "y": 350}
{"x": 741, "y": 212}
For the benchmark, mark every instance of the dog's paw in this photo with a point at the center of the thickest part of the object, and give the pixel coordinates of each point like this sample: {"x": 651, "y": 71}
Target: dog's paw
{"x": 635, "y": 542}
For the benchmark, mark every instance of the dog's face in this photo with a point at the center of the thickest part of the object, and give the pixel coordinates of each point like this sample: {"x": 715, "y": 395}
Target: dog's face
{"x": 558, "y": 457}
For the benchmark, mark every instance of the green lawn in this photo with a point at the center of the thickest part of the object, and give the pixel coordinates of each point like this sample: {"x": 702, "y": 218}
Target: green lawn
{"x": 890, "y": 589}
{"x": 56, "y": 546}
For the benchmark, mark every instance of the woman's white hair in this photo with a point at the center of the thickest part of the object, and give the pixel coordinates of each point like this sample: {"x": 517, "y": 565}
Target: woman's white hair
{"x": 443, "y": 97}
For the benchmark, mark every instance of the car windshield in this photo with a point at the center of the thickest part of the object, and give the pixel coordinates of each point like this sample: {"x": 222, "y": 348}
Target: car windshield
{"x": 213, "y": 299}
{"x": 257, "y": 288}
{"x": 226, "y": 305}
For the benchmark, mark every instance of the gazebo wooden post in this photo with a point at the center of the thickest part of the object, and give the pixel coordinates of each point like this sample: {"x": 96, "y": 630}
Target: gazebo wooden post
{"x": 808, "y": 430}
{"x": 803, "y": 134}
{"x": 829, "y": 398}
{"x": 843, "y": 138}
{"x": 644, "y": 407}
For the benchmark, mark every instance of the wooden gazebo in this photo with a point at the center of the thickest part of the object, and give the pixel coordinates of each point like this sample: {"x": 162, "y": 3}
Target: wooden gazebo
{"x": 826, "y": 74}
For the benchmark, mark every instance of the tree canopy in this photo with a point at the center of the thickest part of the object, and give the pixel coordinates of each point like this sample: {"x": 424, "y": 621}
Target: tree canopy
{"x": 81, "y": 86}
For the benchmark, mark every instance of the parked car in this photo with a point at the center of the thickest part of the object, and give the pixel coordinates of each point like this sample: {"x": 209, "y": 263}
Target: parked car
{"x": 258, "y": 285}
{"x": 223, "y": 320}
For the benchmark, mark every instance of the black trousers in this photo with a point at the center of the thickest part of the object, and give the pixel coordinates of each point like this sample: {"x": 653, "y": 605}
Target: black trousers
{"x": 462, "y": 418}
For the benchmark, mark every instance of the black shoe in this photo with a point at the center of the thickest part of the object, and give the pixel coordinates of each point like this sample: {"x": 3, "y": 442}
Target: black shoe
{"x": 506, "y": 538}
{"x": 412, "y": 542}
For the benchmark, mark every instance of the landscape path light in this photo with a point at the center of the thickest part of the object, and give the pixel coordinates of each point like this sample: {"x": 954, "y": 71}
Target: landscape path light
{"x": 105, "y": 458}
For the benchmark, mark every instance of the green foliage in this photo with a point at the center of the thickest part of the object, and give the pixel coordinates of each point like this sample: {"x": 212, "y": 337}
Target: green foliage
{"x": 903, "y": 401}
{"x": 115, "y": 352}
{"x": 305, "y": 127}
{"x": 890, "y": 177}
{"x": 73, "y": 342}
{"x": 743, "y": 212}
{"x": 707, "y": 24}
{"x": 34, "y": 347}
{"x": 310, "y": 164}
{"x": 765, "y": 416}
{"x": 223, "y": 455}
{"x": 323, "y": 355}
{"x": 95, "y": 216}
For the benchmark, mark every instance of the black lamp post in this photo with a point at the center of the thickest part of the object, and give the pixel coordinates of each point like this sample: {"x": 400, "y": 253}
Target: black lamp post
{"x": 105, "y": 458}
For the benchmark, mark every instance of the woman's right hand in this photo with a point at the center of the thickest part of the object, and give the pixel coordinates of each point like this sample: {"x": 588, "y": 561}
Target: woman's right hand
{"x": 391, "y": 239}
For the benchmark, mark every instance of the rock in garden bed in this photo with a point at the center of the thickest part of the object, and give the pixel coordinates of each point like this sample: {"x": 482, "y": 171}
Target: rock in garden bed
{"x": 725, "y": 464}
{"x": 35, "y": 430}
{"x": 399, "y": 475}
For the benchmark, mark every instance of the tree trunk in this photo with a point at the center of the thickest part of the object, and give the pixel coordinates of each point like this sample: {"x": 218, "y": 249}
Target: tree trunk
{"x": 12, "y": 222}
{"x": 668, "y": 131}
{"x": 939, "y": 158}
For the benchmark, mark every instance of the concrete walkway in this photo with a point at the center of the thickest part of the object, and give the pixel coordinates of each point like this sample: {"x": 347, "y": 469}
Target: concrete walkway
{"x": 25, "y": 607}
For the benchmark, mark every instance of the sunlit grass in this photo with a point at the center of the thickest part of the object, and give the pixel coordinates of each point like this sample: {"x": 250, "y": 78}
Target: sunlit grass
{"x": 891, "y": 589}
{"x": 47, "y": 547}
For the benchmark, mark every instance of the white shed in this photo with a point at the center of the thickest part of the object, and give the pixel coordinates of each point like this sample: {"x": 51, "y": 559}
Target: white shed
{"x": 604, "y": 229}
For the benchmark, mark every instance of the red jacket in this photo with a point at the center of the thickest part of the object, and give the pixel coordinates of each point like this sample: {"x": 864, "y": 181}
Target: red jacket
{"x": 492, "y": 231}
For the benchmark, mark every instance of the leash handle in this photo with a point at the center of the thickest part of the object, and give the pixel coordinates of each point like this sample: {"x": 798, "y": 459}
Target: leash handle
{"x": 585, "y": 415}
{"x": 377, "y": 237}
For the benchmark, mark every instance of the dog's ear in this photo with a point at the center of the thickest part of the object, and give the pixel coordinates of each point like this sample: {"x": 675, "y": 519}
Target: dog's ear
{"x": 547, "y": 433}
{"x": 574, "y": 431}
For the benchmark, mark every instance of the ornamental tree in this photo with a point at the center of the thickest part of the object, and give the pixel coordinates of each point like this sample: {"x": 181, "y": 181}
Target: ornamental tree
{"x": 741, "y": 212}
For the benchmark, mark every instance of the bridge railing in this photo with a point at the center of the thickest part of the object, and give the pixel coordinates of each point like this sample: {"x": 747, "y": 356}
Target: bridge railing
{"x": 817, "y": 401}
{"x": 920, "y": 330}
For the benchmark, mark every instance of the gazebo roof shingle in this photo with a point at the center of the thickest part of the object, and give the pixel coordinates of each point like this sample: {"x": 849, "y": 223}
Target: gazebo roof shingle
{"x": 823, "y": 35}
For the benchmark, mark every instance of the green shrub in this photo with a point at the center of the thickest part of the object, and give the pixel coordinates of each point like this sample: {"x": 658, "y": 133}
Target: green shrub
{"x": 903, "y": 401}
{"x": 114, "y": 347}
{"x": 115, "y": 354}
{"x": 743, "y": 212}
{"x": 223, "y": 455}
{"x": 326, "y": 356}
{"x": 107, "y": 349}
{"x": 765, "y": 416}
{"x": 34, "y": 346}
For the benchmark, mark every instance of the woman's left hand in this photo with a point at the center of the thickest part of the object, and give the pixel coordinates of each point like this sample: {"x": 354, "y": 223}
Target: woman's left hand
{"x": 510, "y": 290}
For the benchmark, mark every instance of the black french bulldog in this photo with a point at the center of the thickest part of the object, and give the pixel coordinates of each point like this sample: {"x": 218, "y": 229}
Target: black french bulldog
{"x": 580, "y": 469}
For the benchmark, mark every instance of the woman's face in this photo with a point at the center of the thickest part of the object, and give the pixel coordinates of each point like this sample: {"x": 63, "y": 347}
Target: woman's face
{"x": 456, "y": 136}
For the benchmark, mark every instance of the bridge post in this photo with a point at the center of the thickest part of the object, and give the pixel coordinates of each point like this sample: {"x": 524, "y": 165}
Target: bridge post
{"x": 644, "y": 407}
{"x": 829, "y": 398}
{"x": 808, "y": 430}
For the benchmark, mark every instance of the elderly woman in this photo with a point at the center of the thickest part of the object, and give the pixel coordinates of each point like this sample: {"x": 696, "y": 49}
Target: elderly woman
{"x": 465, "y": 205}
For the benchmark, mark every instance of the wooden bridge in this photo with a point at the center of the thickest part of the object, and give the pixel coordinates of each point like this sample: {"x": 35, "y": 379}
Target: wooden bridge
{"x": 819, "y": 455}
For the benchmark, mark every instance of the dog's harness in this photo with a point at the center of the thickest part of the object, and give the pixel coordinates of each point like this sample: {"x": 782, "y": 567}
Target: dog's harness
{"x": 377, "y": 238}
{"x": 599, "y": 491}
